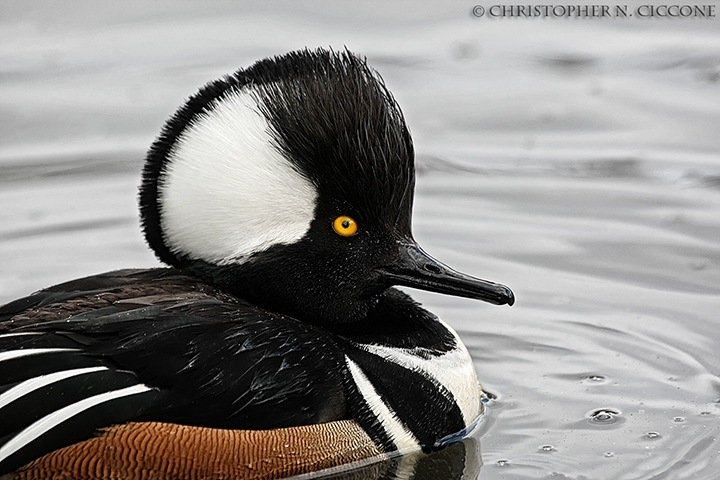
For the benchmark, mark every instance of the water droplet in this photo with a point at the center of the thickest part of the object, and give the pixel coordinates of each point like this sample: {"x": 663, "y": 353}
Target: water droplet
{"x": 652, "y": 435}
{"x": 604, "y": 415}
{"x": 503, "y": 463}
{"x": 548, "y": 448}
{"x": 678, "y": 419}
{"x": 609, "y": 454}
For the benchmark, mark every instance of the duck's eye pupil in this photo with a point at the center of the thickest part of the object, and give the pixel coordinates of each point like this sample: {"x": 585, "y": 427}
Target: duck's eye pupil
{"x": 345, "y": 226}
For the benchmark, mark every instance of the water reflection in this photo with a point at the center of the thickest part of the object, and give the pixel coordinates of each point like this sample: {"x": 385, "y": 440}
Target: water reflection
{"x": 459, "y": 461}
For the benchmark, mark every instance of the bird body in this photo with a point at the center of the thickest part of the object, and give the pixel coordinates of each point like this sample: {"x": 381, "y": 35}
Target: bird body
{"x": 281, "y": 198}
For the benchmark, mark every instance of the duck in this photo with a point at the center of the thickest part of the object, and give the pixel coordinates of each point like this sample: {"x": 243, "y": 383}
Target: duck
{"x": 275, "y": 342}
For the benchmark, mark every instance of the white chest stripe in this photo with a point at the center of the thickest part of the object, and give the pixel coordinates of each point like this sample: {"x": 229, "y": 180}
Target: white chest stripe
{"x": 54, "y": 419}
{"x": 399, "y": 433}
{"x": 36, "y": 383}
{"x": 453, "y": 370}
{"x": 31, "y": 351}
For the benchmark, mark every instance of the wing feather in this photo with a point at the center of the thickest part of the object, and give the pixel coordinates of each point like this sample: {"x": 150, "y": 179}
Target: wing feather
{"x": 102, "y": 351}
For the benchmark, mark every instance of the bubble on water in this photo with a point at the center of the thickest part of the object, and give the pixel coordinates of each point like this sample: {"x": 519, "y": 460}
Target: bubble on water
{"x": 548, "y": 448}
{"x": 679, "y": 419}
{"x": 652, "y": 435}
{"x": 593, "y": 378}
{"x": 503, "y": 463}
{"x": 604, "y": 416}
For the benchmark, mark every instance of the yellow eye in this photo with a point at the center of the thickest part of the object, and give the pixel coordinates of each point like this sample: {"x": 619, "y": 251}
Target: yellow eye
{"x": 345, "y": 226}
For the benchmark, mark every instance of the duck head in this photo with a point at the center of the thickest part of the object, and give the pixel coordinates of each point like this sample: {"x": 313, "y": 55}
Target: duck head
{"x": 290, "y": 185}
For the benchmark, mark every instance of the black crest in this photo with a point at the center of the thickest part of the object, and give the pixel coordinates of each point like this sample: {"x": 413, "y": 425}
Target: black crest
{"x": 331, "y": 115}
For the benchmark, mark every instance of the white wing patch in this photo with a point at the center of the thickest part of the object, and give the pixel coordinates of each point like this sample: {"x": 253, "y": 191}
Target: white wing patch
{"x": 402, "y": 437}
{"x": 453, "y": 370}
{"x": 19, "y": 334}
{"x": 227, "y": 192}
{"x": 29, "y": 386}
{"x": 31, "y": 351}
{"x": 54, "y": 419}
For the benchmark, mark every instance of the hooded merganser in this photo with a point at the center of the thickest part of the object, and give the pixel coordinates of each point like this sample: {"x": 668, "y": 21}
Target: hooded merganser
{"x": 281, "y": 198}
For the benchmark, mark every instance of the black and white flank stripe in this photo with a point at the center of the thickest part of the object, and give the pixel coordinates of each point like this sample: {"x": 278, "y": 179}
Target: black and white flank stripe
{"x": 51, "y": 395}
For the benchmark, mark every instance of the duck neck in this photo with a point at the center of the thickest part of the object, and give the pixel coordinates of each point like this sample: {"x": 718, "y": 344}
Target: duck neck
{"x": 410, "y": 373}
{"x": 395, "y": 320}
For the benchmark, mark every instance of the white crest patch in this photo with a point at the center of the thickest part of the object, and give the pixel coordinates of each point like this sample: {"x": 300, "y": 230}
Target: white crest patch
{"x": 453, "y": 370}
{"x": 227, "y": 192}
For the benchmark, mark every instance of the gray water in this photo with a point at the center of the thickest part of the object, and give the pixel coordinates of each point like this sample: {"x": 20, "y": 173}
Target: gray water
{"x": 575, "y": 160}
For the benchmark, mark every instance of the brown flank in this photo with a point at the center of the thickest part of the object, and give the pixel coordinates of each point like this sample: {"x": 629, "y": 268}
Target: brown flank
{"x": 153, "y": 450}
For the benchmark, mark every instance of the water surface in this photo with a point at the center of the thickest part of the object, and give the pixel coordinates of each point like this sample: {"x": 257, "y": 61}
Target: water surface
{"x": 577, "y": 161}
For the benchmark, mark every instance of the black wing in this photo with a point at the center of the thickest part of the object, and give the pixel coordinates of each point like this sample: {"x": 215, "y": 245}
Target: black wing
{"x": 184, "y": 355}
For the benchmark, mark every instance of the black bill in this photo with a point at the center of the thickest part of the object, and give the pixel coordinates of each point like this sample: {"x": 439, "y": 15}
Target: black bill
{"x": 415, "y": 268}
